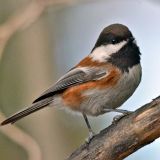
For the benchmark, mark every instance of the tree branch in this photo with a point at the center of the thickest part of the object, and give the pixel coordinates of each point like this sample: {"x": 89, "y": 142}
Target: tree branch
{"x": 23, "y": 139}
{"x": 126, "y": 136}
{"x": 23, "y": 18}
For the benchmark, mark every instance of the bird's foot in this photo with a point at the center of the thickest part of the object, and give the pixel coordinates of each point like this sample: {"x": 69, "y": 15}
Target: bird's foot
{"x": 90, "y": 137}
{"x": 119, "y": 117}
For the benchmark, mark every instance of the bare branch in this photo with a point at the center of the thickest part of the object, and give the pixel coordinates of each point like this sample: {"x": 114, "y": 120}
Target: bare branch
{"x": 23, "y": 139}
{"x": 23, "y": 18}
{"x": 125, "y": 137}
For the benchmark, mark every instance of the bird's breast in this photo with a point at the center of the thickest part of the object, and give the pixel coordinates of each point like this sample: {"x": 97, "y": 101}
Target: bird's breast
{"x": 75, "y": 96}
{"x": 112, "y": 96}
{"x": 109, "y": 92}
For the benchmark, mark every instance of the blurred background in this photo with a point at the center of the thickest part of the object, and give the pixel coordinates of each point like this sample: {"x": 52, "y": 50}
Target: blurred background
{"x": 40, "y": 40}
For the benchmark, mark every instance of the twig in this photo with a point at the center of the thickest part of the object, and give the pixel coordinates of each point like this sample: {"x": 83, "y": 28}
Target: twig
{"x": 23, "y": 139}
{"x": 23, "y": 18}
{"x": 124, "y": 137}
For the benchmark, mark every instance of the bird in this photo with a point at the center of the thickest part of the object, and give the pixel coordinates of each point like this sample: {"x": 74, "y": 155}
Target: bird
{"x": 99, "y": 83}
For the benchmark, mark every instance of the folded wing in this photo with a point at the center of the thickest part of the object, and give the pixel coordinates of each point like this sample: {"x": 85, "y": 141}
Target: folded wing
{"x": 74, "y": 77}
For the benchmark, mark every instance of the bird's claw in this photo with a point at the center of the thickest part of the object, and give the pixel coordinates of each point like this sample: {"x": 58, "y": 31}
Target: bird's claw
{"x": 118, "y": 117}
{"x": 90, "y": 137}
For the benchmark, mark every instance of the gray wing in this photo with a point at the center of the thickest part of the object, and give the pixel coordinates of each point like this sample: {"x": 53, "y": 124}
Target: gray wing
{"x": 74, "y": 77}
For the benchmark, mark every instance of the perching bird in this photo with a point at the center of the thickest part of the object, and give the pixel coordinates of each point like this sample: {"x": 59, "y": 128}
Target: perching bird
{"x": 100, "y": 83}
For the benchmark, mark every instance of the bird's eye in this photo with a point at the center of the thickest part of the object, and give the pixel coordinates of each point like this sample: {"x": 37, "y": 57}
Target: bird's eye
{"x": 114, "y": 41}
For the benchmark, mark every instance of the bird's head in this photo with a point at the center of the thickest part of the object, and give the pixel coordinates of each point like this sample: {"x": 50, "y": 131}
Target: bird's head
{"x": 116, "y": 43}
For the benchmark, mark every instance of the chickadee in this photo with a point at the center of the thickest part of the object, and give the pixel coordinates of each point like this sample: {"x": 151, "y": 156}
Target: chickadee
{"x": 100, "y": 83}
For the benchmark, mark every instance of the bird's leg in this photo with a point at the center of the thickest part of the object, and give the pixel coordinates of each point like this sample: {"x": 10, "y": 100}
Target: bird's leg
{"x": 91, "y": 133}
{"x": 118, "y": 117}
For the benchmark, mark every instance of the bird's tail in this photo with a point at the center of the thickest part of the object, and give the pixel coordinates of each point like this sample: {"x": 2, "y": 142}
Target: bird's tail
{"x": 25, "y": 112}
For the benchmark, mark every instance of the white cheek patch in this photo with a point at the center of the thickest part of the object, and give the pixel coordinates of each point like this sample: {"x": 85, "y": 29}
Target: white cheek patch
{"x": 103, "y": 52}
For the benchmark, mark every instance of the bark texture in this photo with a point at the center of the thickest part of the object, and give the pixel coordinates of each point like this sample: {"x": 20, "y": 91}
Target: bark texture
{"x": 121, "y": 139}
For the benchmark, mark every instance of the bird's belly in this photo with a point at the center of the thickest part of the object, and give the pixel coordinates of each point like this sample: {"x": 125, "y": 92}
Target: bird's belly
{"x": 112, "y": 97}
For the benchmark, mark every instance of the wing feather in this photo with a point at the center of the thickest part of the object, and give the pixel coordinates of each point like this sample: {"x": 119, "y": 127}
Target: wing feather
{"x": 73, "y": 77}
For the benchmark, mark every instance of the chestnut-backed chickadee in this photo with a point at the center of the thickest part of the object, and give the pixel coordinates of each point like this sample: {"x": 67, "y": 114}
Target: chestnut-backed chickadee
{"x": 99, "y": 83}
